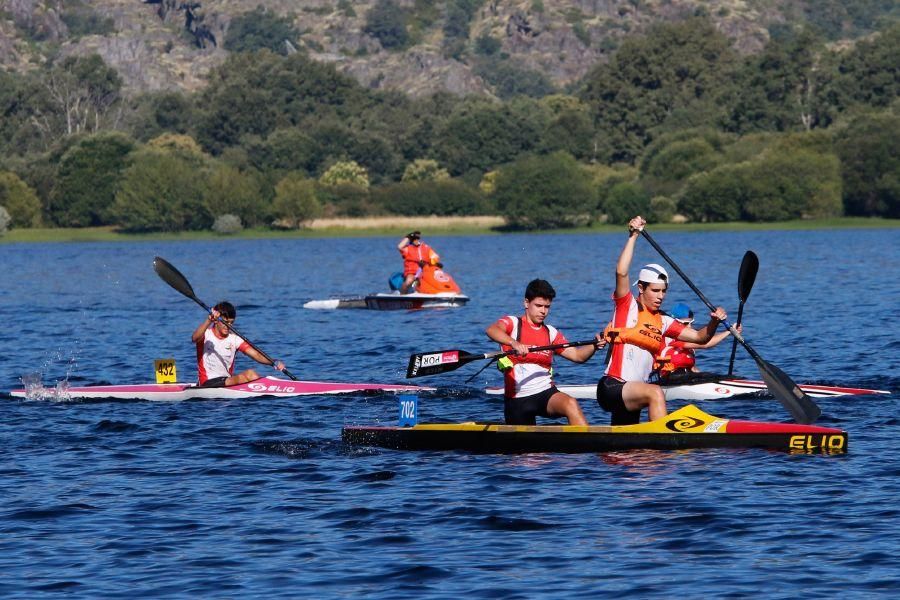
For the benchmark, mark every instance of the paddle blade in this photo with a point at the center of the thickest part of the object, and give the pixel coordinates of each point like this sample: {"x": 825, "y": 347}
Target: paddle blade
{"x": 173, "y": 277}
{"x": 441, "y": 361}
{"x": 747, "y": 274}
{"x": 801, "y": 407}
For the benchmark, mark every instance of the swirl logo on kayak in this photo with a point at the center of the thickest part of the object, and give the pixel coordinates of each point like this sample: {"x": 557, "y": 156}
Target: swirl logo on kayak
{"x": 684, "y": 423}
{"x": 261, "y": 388}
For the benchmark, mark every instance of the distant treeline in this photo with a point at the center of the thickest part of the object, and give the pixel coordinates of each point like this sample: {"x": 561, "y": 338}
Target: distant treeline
{"x": 675, "y": 122}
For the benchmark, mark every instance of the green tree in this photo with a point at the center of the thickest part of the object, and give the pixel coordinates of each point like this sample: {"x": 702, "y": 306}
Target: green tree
{"x": 19, "y": 200}
{"x": 233, "y": 192}
{"x": 424, "y": 169}
{"x": 781, "y": 88}
{"x": 386, "y": 22}
{"x": 481, "y": 135}
{"x": 509, "y": 78}
{"x": 676, "y": 69}
{"x": 79, "y": 95}
{"x": 870, "y": 161}
{"x": 162, "y": 191}
{"x": 256, "y": 93}
{"x": 430, "y": 197}
{"x": 715, "y": 196}
{"x": 287, "y": 149}
{"x": 260, "y": 29}
{"x": 88, "y": 178}
{"x": 624, "y": 201}
{"x": 540, "y": 192}
{"x": 343, "y": 172}
{"x": 295, "y": 200}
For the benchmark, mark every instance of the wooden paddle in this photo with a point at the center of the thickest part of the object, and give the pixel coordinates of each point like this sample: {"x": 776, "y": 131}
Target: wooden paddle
{"x": 801, "y": 407}
{"x": 443, "y": 361}
{"x": 174, "y": 278}
{"x": 746, "y": 277}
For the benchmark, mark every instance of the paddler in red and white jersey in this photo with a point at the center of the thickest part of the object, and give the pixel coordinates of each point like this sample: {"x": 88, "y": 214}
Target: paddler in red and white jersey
{"x": 217, "y": 347}
{"x": 637, "y": 334}
{"x": 416, "y": 254}
{"x": 529, "y": 390}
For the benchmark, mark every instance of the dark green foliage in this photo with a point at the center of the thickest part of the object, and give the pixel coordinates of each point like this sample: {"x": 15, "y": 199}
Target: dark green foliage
{"x": 539, "y": 192}
{"x": 671, "y": 159}
{"x": 871, "y": 165}
{"x": 88, "y": 179}
{"x": 681, "y": 67}
{"x": 82, "y": 20}
{"x": 285, "y": 150}
{"x": 780, "y": 89}
{"x": 255, "y": 93}
{"x": 623, "y": 201}
{"x": 230, "y": 191}
{"x": 347, "y": 200}
{"x": 386, "y": 22}
{"x": 415, "y": 198}
{"x": 509, "y": 79}
{"x": 715, "y": 196}
{"x": 848, "y": 18}
{"x": 572, "y": 131}
{"x": 482, "y": 135}
{"x": 161, "y": 112}
{"x": 260, "y": 29}
{"x": 487, "y": 45}
{"x": 869, "y": 74}
{"x": 162, "y": 191}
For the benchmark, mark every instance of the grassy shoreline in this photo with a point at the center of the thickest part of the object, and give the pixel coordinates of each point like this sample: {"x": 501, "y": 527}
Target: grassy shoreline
{"x": 434, "y": 226}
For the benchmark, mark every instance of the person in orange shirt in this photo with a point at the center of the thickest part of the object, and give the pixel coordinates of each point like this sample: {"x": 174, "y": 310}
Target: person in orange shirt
{"x": 416, "y": 254}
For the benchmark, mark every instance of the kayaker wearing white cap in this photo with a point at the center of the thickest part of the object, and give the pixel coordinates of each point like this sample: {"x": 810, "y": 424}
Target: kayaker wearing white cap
{"x": 637, "y": 334}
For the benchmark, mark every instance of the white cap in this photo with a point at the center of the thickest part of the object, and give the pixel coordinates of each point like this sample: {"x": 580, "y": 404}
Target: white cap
{"x": 653, "y": 273}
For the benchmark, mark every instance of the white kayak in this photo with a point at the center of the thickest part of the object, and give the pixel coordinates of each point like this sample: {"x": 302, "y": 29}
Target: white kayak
{"x": 392, "y": 301}
{"x": 713, "y": 387}
{"x": 173, "y": 392}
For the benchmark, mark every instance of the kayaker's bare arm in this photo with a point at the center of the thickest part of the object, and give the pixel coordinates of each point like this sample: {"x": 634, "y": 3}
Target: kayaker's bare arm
{"x": 198, "y": 334}
{"x": 715, "y": 341}
{"x": 403, "y": 243}
{"x": 702, "y": 336}
{"x": 582, "y": 354}
{"x": 496, "y": 333}
{"x": 252, "y": 353}
{"x": 623, "y": 286}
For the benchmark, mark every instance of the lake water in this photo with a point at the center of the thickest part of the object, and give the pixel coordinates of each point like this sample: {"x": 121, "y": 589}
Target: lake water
{"x": 259, "y": 498}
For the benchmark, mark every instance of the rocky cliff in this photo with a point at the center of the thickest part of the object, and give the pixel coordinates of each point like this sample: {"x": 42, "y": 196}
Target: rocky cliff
{"x": 173, "y": 44}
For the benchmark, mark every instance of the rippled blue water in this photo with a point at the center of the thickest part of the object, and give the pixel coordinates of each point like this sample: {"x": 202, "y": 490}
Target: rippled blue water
{"x": 259, "y": 498}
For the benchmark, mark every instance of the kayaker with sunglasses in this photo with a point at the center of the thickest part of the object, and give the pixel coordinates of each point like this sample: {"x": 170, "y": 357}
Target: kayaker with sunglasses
{"x": 678, "y": 357}
{"x": 217, "y": 347}
{"x": 637, "y": 334}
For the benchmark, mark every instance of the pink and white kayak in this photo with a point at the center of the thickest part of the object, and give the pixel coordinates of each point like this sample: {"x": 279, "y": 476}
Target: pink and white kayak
{"x": 173, "y": 392}
{"x": 715, "y": 389}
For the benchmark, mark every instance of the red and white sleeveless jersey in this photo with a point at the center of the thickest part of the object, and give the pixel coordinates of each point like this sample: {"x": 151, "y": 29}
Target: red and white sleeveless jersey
{"x": 530, "y": 374}
{"x": 215, "y": 355}
{"x": 629, "y": 362}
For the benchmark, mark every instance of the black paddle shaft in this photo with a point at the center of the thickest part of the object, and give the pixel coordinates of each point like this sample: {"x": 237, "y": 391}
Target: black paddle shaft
{"x": 801, "y": 407}
{"x": 168, "y": 273}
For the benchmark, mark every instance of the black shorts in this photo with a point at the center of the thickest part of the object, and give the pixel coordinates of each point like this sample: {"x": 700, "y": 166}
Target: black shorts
{"x": 609, "y": 397}
{"x": 522, "y": 411}
{"x": 214, "y": 382}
